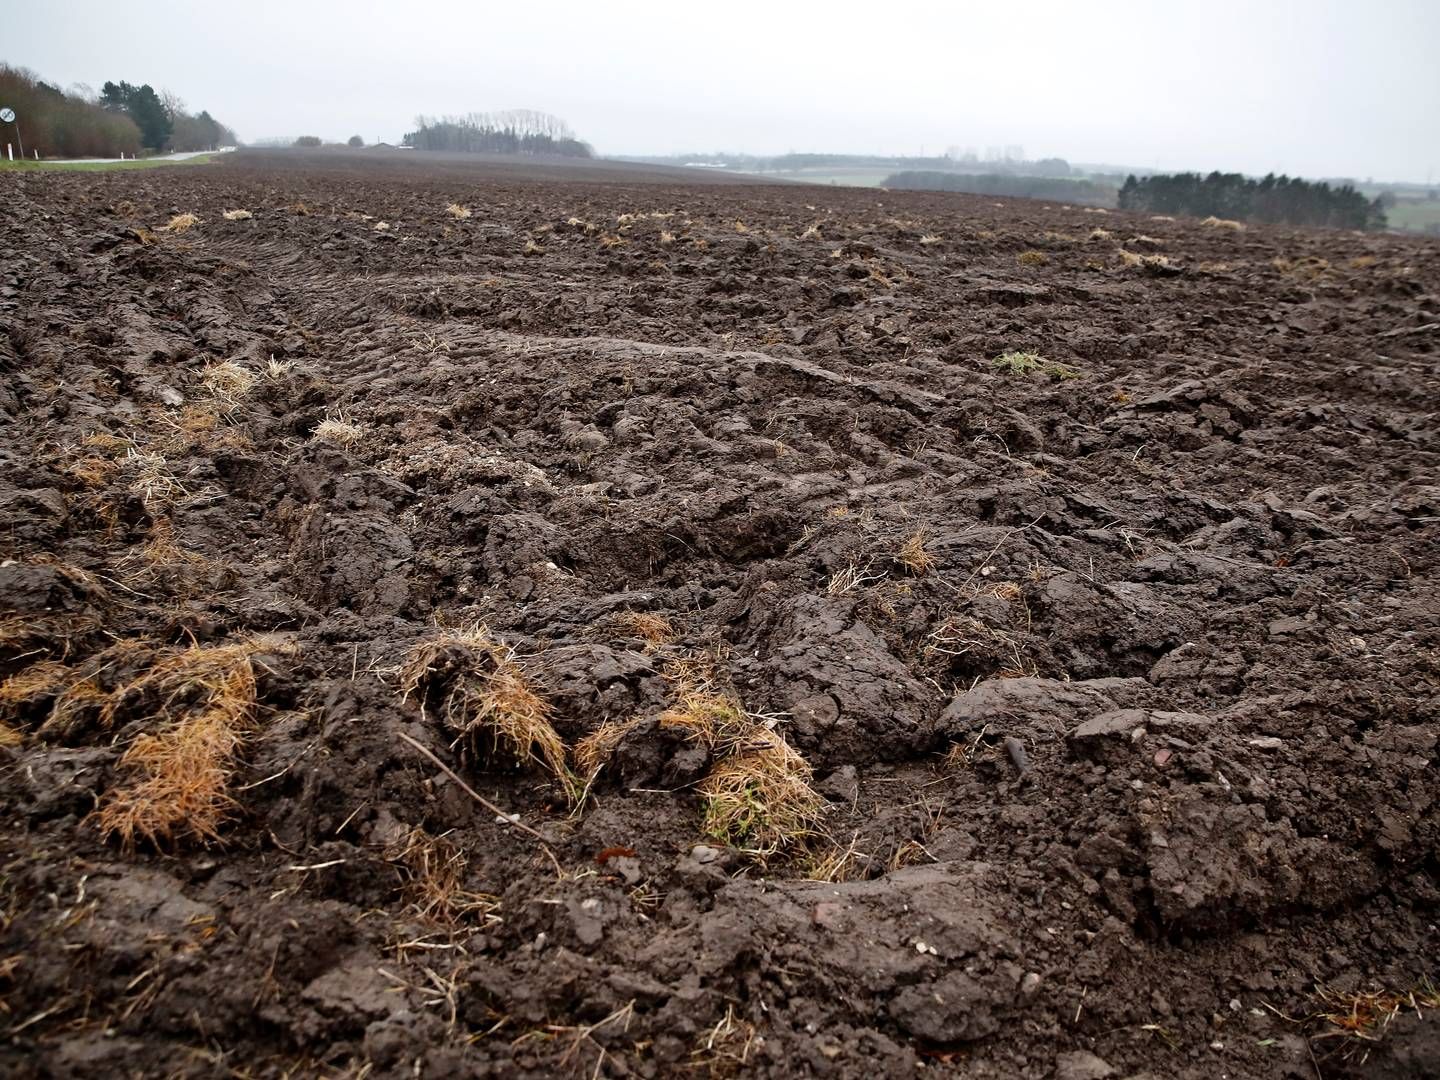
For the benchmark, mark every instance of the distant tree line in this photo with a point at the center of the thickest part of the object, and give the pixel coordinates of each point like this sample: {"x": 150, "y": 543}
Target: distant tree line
{"x": 163, "y": 122}
{"x": 1084, "y": 192}
{"x": 58, "y": 124}
{"x": 1274, "y": 199}
{"x": 121, "y": 119}
{"x": 520, "y": 131}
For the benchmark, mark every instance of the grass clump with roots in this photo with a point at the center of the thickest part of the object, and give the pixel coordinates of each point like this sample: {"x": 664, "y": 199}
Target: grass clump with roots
{"x": 338, "y": 430}
{"x": 483, "y": 697}
{"x": 655, "y": 630}
{"x": 228, "y": 383}
{"x": 913, "y": 556}
{"x": 1360, "y": 1017}
{"x": 181, "y": 223}
{"x": 1136, "y": 261}
{"x": 1031, "y": 364}
{"x": 458, "y": 212}
{"x": 757, "y": 794}
{"x": 204, "y": 705}
{"x": 237, "y": 215}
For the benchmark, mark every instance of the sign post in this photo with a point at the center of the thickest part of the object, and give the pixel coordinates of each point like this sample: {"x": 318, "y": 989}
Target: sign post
{"x": 7, "y": 116}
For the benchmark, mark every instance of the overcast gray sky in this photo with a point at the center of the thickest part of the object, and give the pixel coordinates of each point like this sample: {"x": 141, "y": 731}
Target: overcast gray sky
{"x": 1311, "y": 87}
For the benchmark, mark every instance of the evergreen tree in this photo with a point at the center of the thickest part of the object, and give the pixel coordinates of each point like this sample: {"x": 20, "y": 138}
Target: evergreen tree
{"x": 1272, "y": 199}
{"x": 142, "y": 105}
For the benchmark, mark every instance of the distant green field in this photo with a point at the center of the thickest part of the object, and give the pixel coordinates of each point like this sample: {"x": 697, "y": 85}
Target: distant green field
{"x": 859, "y": 177}
{"x": 100, "y": 166}
{"x": 1414, "y": 216}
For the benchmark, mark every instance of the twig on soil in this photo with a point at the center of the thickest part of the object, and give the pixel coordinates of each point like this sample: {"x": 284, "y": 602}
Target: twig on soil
{"x": 486, "y": 803}
{"x": 315, "y": 866}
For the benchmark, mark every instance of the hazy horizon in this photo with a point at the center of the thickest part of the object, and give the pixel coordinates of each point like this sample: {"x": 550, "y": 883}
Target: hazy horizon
{"x": 1315, "y": 89}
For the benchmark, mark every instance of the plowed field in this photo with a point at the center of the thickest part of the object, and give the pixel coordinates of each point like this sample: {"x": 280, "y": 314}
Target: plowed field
{"x": 897, "y": 632}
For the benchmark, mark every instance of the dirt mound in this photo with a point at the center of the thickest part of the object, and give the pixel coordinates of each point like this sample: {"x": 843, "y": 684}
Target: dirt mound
{"x": 642, "y": 629}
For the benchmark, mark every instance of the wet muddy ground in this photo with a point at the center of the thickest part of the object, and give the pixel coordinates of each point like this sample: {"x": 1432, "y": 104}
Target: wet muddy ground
{"x": 1083, "y": 565}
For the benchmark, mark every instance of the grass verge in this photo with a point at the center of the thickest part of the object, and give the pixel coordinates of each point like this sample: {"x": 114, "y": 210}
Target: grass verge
{"x": 102, "y": 166}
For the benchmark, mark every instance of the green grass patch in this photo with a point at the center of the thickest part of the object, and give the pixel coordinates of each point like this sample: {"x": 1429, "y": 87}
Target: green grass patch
{"x": 1413, "y": 215}
{"x": 837, "y": 177}
{"x": 1031, "y": 364}
{"x": 102, "y": 166}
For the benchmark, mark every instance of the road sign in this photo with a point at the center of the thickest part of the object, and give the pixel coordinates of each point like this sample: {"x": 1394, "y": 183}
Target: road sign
{"x": 7, "y": 116}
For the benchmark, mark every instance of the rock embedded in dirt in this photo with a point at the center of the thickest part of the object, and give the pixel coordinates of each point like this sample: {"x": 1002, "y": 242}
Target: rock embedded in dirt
{"x": 953, "y": 1008}
{"x": 1082, "y": 1065}
{"x": 1110, "y": 736}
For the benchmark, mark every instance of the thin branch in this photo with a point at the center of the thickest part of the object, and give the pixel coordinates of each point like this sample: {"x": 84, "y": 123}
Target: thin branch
{"x": 471, "y": 791}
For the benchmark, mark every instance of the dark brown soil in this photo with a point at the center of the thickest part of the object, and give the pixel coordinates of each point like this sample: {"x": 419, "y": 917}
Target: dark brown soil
{"x": 1192, "y": 588}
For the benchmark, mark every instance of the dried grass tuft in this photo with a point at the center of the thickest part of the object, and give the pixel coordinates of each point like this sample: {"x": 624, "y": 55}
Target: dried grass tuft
{"x": 1361, "y": 1016}
{"x": 23, "y": 690}
{"x": 237, "y": 215}
{"x": 432, "y": 870}
{"x": 1032, "y": 364}
{"x": 161, "y": 551}
{"x": 649, "y": 627}
{"x": 1223, "y": 223}
{"x": 93, "y": 472}
{"x": 181, "y": 223}
{"x": 852, "y": 577}
{"x": 757, "y": 793}
{"x": 228, "y": 382}
{"x": 458, "y": 212}
{"x": 44, "y": 634}
{"x": 831, "y": 862}
{"x": 913, "y": 556}
{"x": 338, "y": 430}
{"x": 151, "y": 481}
{"x": 759, "y": 796}
{"x": 596, "y": 749}
{"x": 482, "y": 694}
{"x": 203, "y": 701}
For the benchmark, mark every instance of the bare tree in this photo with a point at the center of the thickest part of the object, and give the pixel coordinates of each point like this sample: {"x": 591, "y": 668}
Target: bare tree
{"x": 174, "y": 105}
